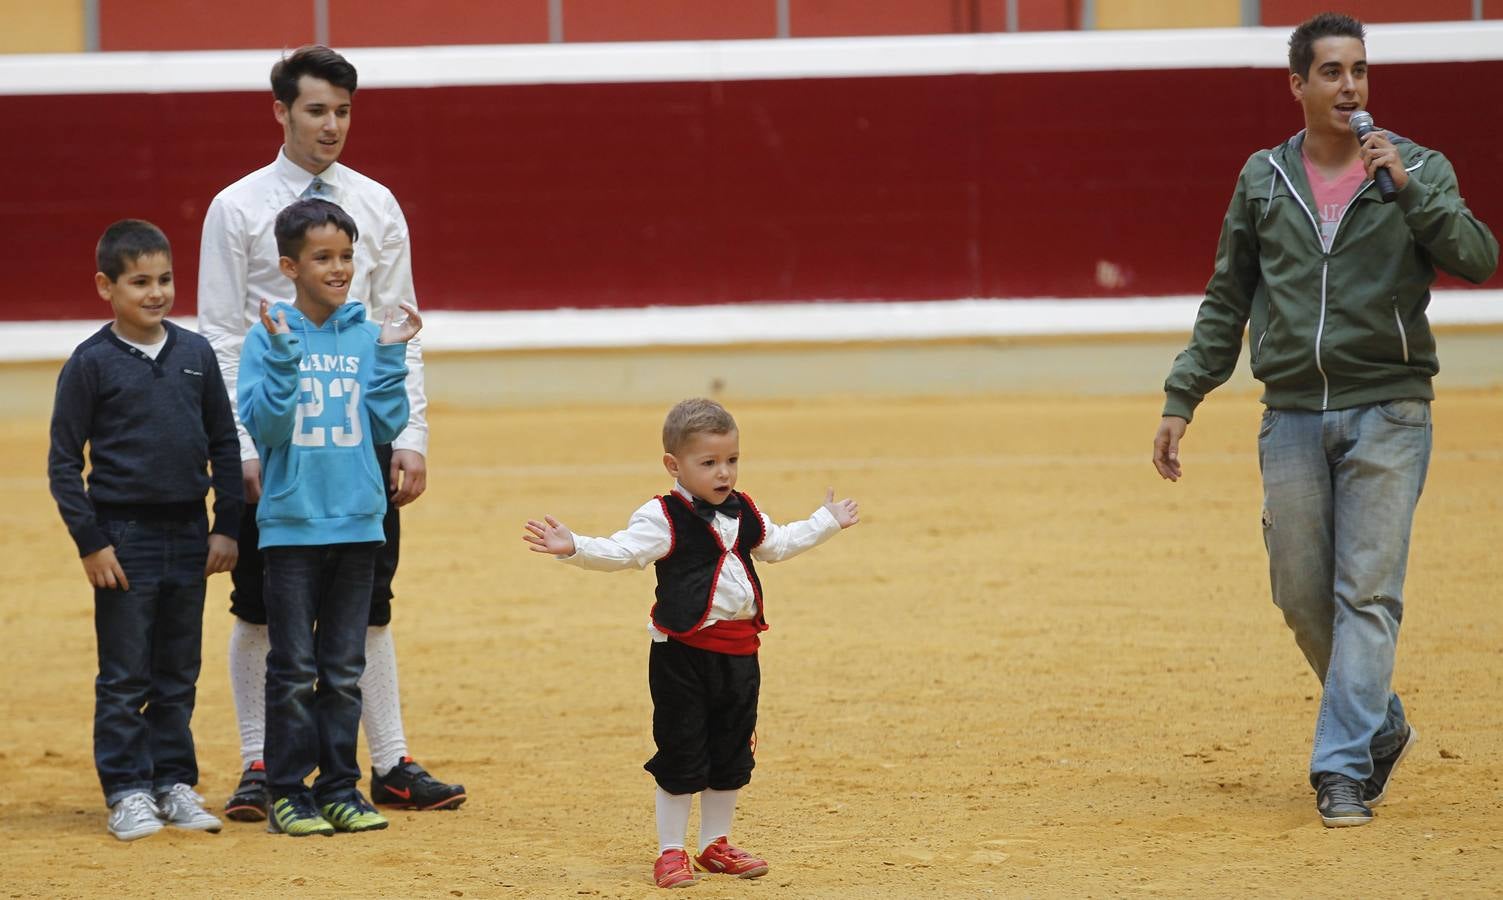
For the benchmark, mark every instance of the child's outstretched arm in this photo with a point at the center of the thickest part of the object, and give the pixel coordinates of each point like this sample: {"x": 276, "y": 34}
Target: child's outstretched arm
{"x": 787, "y": 541}
{"x": 645, "y": 539}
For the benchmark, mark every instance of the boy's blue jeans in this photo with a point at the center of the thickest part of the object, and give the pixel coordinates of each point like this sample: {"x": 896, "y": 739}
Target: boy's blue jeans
{"x": 1339, "y": 492}
{"x": 149, "y": 640}
{"x": 317, "y": 609}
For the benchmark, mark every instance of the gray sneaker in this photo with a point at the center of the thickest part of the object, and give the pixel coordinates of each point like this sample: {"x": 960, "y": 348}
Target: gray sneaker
{"x": 135, "y": 816}
{"x": 184, "y": 809}
{"x": 1375, "y": 788}
{"x": 1338, "y": 799}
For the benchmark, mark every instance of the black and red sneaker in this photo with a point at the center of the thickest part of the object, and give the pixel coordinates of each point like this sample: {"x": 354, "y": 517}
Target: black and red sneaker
{"x": 409, "y": 786}
{"x": 250, "y": 801}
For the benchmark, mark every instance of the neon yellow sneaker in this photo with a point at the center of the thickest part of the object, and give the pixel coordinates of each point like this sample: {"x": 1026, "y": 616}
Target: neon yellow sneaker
{"x": 354, "y": 813}
{"x": 295, "y": 816}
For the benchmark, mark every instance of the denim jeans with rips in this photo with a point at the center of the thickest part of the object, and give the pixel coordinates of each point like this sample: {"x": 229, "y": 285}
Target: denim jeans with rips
{"x": 149, "y": 640}
{"x": 1339, "y": 493}
{"x": 317, "y": 608}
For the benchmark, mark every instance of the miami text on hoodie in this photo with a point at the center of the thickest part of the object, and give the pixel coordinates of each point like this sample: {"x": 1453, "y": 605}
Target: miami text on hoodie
{"x": 317, "y": 401}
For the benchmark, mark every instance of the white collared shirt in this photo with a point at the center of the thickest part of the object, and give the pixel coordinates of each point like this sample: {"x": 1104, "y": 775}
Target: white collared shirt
{"x": 648, "y": 537}
{"x": 237, "y": 269}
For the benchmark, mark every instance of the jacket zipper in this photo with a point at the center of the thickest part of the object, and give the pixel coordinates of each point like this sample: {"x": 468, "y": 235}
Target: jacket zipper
{"x": 1325, "y": 264}
{"x": 1403, "y": 338}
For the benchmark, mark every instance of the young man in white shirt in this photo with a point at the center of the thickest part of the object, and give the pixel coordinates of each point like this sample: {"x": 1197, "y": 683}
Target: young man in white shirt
{"x": 238, "y": 268}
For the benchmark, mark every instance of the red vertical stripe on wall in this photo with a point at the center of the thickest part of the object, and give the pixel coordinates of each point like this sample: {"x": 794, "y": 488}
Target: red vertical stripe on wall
{"x": 669, "y": 20}
{"x": 842, "y": 18}
{"x": 399, "y": 23}
{"x": 198, "y": 25}
{"x": 1293, "y": 12}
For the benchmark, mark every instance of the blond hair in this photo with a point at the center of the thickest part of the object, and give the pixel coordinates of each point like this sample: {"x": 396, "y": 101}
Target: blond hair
{"x": 697, "y": 416}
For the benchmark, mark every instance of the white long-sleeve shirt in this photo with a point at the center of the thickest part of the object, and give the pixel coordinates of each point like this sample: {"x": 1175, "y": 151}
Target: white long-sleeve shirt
{"x": 648, "y": 537}
{"x": 237, "y": 269}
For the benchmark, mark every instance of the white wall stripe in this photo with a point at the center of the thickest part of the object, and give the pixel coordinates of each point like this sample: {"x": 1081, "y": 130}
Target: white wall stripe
{"x": 754, "y": 323}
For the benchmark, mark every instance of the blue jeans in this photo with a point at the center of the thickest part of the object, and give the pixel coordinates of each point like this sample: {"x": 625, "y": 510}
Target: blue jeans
{"x": 1339, "y": 492}
{"x": 149, "y": 641}
{"x": 317, "y": 608}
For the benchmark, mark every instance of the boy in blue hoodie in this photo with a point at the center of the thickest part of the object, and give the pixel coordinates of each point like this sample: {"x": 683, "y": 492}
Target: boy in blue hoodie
{"x": 319, "y": 387}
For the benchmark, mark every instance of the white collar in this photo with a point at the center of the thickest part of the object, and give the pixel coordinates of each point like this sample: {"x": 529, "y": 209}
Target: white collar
{"x": 298, "y": 178}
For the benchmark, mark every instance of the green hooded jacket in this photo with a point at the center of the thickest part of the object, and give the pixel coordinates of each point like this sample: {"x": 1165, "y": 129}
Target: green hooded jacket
{"x": 1335, "y": 327}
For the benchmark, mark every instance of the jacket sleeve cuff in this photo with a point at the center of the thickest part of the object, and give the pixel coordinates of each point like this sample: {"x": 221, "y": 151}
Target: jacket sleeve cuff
{"x": 90, "y": 539}
{"x": 1178, "y": 404}
{"x": 227, "y": 524}
{"x": 412, "y": 439}
{"x": 1413, "y": 196}
{"x": 391, "y": 356}
{"x": 285, "y": 348}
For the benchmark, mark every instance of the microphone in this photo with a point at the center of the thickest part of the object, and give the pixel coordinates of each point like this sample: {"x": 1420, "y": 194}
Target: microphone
{"x": 1362, "y": 126}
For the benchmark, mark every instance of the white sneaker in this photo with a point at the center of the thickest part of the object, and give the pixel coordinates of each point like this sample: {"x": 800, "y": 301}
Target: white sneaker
{"x": 135, "y": 816}
{"x": 184, "y": 809}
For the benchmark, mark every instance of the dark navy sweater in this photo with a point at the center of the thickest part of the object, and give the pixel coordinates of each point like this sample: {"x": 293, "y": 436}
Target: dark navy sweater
{"x": 153, "y": 427}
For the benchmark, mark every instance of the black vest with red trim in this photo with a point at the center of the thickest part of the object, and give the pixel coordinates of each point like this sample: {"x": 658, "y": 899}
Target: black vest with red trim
{"x": 687, "y": 576}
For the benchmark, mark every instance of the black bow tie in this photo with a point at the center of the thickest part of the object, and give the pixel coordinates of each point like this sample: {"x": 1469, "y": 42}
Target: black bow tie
{"x": 706, "y": 510}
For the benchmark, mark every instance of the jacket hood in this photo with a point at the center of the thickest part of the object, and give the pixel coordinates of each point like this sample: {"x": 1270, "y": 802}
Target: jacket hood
{"x": 1291, "y": 148}
{"x": 350, "y": 314}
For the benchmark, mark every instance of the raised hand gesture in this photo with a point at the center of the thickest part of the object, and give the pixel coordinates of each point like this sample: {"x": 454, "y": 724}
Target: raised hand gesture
{"x": 549, "y": 536}
{"x": 845, "y": 511}
{"x": 400, "y": 331}
{"x": 279, "y": 326}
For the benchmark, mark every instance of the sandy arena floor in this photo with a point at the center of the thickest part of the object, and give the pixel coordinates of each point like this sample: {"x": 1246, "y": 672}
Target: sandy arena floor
{"x": 1034, "y": 670}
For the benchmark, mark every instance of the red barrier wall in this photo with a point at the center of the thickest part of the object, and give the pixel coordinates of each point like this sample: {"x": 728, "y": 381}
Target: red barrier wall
{"x": 197, "y": 25}
{"x": 1293, "y": 12}
{"x": 1008, "y": 185}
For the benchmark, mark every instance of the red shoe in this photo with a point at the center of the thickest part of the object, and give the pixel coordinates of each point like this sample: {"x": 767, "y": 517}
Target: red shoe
{"x": 721, "y": 857}
{"x": 672, "y": 870}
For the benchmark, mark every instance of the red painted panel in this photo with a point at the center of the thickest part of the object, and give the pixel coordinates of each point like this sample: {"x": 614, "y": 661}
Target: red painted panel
{"x": 669, "y": 20}
{"x": 1033, "y": 15}
{"x": 1293, "y": 12}
{"x": 195, "y": 25}
{"x": 536, "y": 196}
{"x": 400, "y": 23}
{"x": 1048, "y": 15}
{"x": 844, "y": 18}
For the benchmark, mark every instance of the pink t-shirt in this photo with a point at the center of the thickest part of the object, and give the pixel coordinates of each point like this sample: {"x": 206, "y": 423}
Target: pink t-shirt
{"x": 1332, "y": 197}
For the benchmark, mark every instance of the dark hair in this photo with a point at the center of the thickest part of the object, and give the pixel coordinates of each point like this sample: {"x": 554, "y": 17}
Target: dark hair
{"x": 313, "y": 59}
{"x": 1327, "y": 24}
{"x": 294, "y": 223}
{"x": 127, "y": 241}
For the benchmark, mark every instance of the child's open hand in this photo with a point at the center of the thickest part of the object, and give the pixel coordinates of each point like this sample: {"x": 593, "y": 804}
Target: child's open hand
{"x": 400, "y": 331}
{"x": 845, "y": 511}
{"x": 549, "y": 536}
{"x": 279, "y": 326}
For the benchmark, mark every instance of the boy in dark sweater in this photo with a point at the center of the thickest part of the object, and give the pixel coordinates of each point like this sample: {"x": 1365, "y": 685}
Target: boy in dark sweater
{"x": 147, "y": 398}
{"x": 703, "y": 537}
